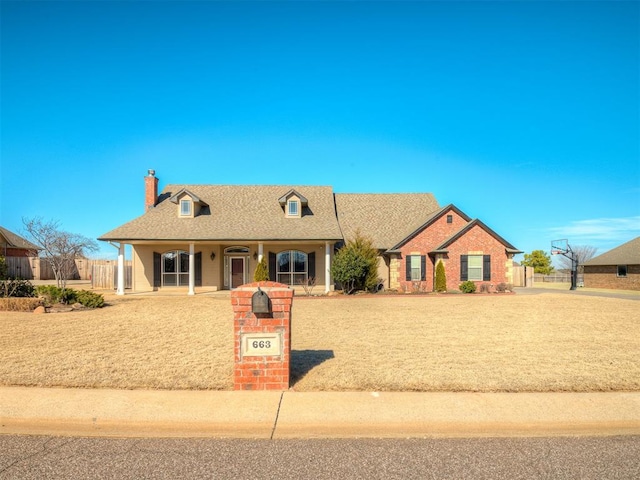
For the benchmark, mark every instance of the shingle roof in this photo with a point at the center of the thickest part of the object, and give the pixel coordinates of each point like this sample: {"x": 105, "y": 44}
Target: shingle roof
{"x": 626, "y": 254}
{"x": 386, "y": 218}
{"x": 236, "y": 212}
{"x": 15, "y": 241}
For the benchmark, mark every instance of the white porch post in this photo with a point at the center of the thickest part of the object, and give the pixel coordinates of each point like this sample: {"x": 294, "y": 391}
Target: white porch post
{"x": 192, "y": 269}
{"x": 260, "y": 251}
{"x": 327, "y": 267}
{"x": 120, "y": 289}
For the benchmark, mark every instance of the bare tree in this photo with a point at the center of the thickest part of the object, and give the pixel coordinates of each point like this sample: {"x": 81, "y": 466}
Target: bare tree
{"x": 59, "y": 248}
{"x": 583, "y": 253}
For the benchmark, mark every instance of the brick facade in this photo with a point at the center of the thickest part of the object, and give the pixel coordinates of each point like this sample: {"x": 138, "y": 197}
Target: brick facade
{"x": 262, "y": 372}
{"x": 606, "y": 276}
{"x": 475, "y": 241}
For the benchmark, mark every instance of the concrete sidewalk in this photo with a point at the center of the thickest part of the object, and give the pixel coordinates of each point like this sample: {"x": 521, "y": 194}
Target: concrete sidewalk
{"x": 157, "y": 413}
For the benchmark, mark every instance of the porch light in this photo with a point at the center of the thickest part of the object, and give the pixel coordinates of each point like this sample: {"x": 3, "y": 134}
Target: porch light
{"x": 212, "y": 256}
{"x": 255, "y": 255}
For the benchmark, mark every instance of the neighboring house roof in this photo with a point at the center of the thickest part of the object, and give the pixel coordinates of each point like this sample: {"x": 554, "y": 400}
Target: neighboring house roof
{"x": 626, "y": 254}
{"x": 12, "y": 240}
{"x": 386, "y": 218}
{"x": 442, "y": 248}
{"x": 236, "y": 212}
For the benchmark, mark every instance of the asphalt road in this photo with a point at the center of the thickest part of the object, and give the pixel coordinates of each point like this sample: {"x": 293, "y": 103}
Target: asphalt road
{"x": 35, "y": 457}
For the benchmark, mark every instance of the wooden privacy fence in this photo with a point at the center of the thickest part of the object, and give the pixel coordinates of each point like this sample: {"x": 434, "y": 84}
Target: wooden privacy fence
{"x": 106, "y": 275}
{"x": 101, "y": 273}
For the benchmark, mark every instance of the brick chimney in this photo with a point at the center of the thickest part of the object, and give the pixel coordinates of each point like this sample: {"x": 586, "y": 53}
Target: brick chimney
{"x": 150, "y": 190}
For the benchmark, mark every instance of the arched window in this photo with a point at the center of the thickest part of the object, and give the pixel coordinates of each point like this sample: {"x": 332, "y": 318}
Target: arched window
{"x": 175, "y": 268}
{"x": 292, "y": 267}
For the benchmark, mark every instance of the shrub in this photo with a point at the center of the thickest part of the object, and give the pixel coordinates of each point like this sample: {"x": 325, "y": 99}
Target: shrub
{"x": 3, "y": 268}
{"x": 16, "y": 288}
{"x": 262, "y": 271}
{"x": 355, "y": 266}
{"x": 485, "y": 288}
{"x": 468, "y": 287}
{"x": 89, "y": 299}
{"x": 504, "y": 287}
{"x": 13, "y": 304}
{"x": 50, "y": 293}
{"x": 441, "y": 277}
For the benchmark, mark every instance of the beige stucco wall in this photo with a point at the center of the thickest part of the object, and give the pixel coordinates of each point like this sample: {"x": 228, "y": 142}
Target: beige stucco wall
{"x": 213, "y": 271}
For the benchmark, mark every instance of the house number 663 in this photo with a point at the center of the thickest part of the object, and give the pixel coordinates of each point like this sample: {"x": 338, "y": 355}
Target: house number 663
{"x": 261, "y": 344}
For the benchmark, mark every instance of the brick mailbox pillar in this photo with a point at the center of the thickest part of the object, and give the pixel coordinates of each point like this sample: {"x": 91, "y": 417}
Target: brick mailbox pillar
{"x": 262, "y": 336}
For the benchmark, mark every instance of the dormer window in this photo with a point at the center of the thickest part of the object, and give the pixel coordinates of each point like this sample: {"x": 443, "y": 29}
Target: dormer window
{"x": 188, "y": 204}
{"x": 293, "y": 204}
{"x": 293, "y": 208}
{"x": 185, "y": 208}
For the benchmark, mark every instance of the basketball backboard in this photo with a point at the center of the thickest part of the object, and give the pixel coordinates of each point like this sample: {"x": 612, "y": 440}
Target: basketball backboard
{"x": 559, "y": 247}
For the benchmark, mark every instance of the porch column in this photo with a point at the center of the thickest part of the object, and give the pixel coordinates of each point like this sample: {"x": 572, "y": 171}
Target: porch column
{"x": 120, "y": 287}
{"x": 192, "y": 269}
{"x": 260, "y": 251}
{"x": 327, "y": 267}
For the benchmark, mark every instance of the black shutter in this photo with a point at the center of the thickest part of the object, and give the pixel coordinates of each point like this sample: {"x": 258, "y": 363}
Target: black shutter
{"x": 198, "y": 260}
{"x": 408, "y": 268}
{"x": 272, "y": 266}
{"x": 311, "y": 265}
{"x": 157, "y": 270}
{"x": 464, "y": 267}
{"x": 486, "y": 268}
{"x": 423, "y": 267}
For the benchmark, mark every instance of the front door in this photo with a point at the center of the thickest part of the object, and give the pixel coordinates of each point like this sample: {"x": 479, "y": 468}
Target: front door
{"x": 237, "y": 271}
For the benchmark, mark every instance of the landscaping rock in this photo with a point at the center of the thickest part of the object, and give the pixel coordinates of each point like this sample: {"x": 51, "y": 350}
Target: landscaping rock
{"x": 40, "y": 310}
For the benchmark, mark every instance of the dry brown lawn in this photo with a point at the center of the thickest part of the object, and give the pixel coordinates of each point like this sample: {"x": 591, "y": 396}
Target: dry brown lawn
{"x": 547, "y": 342}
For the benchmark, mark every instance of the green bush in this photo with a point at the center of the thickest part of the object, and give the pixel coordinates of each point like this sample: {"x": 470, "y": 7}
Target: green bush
{"x": 441, "y": 277}
{"x": 53, "y": 294}
{"x": 89, "y": 299}
{"x": 355, "y": 266}
{"x": 262, "y": 271}
{"x": 468, "y": 287}
{"x": 50, "y": 293}
{"x": 16, "y": 288}
{"x": 3, "y": 268}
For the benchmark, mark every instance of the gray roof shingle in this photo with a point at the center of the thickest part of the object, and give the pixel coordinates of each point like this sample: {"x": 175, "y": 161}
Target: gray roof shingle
{"x": 386, "y": 218}
{"x": 626, "y": 254}
{"x": 14, "y": 240}
{"x": 235, "y": 212}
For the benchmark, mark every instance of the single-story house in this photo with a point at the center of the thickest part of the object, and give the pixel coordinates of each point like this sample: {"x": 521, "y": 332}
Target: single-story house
{"x": 213, "y": 236}
{"x": 13, "y": 245}
{"x": 19, "y": 254}
{"x": 618, "y": 268}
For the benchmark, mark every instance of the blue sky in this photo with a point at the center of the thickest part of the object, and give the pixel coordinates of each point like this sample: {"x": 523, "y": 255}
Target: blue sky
{"x": 523, "y": 114}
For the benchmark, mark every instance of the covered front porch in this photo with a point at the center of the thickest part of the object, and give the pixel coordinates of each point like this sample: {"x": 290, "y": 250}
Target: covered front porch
{"x": 195, "y": 267}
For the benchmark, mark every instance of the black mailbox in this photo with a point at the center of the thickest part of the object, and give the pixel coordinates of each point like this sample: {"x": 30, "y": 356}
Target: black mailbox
{"x": 260, "y": 302}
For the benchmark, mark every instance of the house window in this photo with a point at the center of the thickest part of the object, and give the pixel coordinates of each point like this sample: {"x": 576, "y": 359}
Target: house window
{"x": 185, "y": 208}
{"x": 475, "y": 267}
{"x": 416, "y": 268}
{"x": 293, "y": 208}
{"x": 622, "y": 271}
{"x": 449, "y": 218}
{"x": 175, "y": 268}
{"x": 292, "y": 267}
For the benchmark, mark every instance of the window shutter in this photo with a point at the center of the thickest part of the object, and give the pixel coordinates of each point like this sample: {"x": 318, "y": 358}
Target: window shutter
{"x": 408, "y": 268}
{"x": 464, "y": 268}
{"x": 311, "y": 265}
{"x": 486, "y": 268}
{"x": 198, "y": 272}
{"x": 157, "y": 270}
{"x": 272, "y": 266}
{"x": 423, "y": 267}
